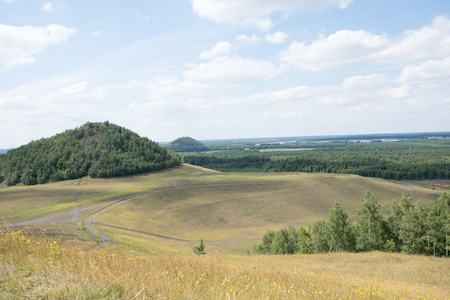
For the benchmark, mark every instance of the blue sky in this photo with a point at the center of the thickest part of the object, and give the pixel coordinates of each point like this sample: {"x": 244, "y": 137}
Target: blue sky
{"x": 217, "y": 69}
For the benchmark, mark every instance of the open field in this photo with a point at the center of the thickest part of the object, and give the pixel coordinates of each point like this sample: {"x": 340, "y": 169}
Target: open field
{"x": 37, "y": 267}
{"x": 235, "y": 206}
{"x": 230, "y": 211}
{"x": 190, "y": 202}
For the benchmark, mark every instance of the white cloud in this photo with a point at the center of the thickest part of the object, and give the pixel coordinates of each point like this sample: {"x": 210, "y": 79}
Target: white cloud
{"x": 427, "y": 42}
{"x": 363, "y": 82}
{"x": 47, "y": 6}
{"x": 245, "y": 38}
{"x": 233, "y": 70}
{"x": 428, "y": 72}
{"x": 95, "y": 33}
{"x": 51, "y": 6}
{"x": 257, "y": 12}
{"x": 165, "y": 88}
{"x": 346, "y": 47}
{"x": 18, "y": 45}
{"x": 277, "y": 38}
{"x": 221, "y": 48}
{"x": 341, "y": 48}
{"x": 142, "y": 17}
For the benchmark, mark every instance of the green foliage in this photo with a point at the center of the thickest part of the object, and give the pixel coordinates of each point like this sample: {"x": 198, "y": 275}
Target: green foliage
{"x": 94, "y": 149}
{"x": 369, "y": 224}
{"x": 200, "y": 249}
{"x": 266, "y": 245}
{"x": 339, "y": 231}
{"x": 416, "y": 229}
{"x": 186, "y": 144}
{"x": 319, "y": 235}
{"x": 422, "y": 228}
{"x": 410, "y": 159}
{"x": 304, "y": 241}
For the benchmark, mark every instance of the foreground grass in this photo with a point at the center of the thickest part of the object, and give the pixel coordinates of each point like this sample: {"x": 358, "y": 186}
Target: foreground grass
{"x": 33, "y": 266}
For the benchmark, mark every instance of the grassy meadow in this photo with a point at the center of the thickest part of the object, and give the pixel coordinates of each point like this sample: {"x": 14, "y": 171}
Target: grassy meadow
{"x": 36, "y": 267}
{"x": 230, "y": 211}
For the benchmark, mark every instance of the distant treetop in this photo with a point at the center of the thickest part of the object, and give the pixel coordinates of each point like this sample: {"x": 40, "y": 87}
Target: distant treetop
{"x": 187, "y": 144}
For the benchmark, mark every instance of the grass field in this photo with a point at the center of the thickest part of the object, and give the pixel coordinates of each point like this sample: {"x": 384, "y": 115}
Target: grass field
{"x": 36, "y": 267}
{"x": 227, "y": 210}
{"x": 214, "y": 206}
{"x": 244, "y": 205}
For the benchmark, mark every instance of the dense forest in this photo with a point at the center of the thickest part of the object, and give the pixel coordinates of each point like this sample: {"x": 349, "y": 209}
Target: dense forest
{"x": 409, "y": 159}
{"x": 94, "y": 149}
{"x": 421, "y": 228}
{"x": 186, "y": 144}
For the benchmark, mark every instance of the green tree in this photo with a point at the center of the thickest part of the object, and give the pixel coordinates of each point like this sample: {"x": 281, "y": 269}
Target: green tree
{"x": 318, "y": 232}
{"x": 304, "y": 241}
{"x": 369, "y": 224}
{"x": 338, "y": 229}
{"x": 266, "y": 245}
{"x": 399, "y": 209}
{"x": 200, "y": 249}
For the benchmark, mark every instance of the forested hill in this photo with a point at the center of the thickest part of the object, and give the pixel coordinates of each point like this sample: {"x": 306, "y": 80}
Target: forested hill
{"x": 94, "y": 149}
{"x": 187, "y": 144}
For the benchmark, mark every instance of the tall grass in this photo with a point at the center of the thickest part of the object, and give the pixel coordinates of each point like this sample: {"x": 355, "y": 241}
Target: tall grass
{"x": 35, "y": 267}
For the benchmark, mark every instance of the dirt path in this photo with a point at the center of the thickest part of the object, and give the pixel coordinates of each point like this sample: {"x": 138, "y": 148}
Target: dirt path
{"x": 73, "y": 216}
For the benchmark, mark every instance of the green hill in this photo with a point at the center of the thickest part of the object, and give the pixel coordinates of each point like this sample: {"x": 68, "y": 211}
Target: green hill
{"x": 94, "y": 149}
{"x": 187, "y": 144}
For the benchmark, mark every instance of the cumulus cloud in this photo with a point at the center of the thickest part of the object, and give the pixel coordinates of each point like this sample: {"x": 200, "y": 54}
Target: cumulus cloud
{"x": 233, "y": 70}
{"x": 51, "y": 6}
{"x": 221, "y": 48}
{"x": 341, "y": 48}
{"x": 163, "y": 88}
{"x": 364, "y": 81}
{"x": 245, "y": 38}
{"x": 346, "y": 47}
{"x": 277, "y": 38}
{"x": 257, "y": 12}
{"x": 428, "y": 72}
{"x": 19, "y": 45}
{"x": 47, "y": 6}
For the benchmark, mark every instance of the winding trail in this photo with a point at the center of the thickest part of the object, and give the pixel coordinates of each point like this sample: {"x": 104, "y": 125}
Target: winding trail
{"x": 73, "y": 215}
{"x": 105, "y": 238}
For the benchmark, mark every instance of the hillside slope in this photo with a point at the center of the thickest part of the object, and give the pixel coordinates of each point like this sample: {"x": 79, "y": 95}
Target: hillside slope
{"x": 94, "y": 149}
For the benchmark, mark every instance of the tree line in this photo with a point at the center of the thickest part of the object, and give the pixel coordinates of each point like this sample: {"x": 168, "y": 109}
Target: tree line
{"x": 94, "y": 149}
{"x": 406, "y": 160}
{"x": 421, "y": 228}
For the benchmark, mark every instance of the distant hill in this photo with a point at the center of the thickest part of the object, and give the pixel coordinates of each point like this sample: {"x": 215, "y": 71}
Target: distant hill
{"x": 3, "y": 151}
{"x": 187, "y": 144}
{"x": 94, "y": 149}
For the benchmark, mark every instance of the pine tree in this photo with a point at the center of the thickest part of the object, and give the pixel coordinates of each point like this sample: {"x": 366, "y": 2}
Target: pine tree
{"x": 200, "y": 249}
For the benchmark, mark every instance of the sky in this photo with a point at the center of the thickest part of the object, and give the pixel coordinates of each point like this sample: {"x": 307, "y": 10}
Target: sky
{"x": 221, "y": 69}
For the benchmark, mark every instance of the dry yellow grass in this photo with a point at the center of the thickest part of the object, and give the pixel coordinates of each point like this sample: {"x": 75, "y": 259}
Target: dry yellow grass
{"x": 246, "y": 205}
{"x": 215, "y": 206}
{"x": 34, "y": 267}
